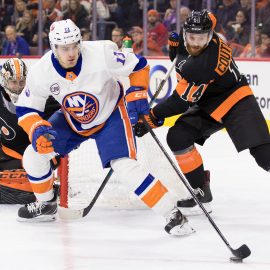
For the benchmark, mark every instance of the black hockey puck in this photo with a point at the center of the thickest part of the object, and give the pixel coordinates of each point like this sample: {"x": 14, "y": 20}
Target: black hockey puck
{"x": 236, "y": 260}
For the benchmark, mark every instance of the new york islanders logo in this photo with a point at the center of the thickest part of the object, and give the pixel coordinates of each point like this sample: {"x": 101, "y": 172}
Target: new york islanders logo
{"x": 83, "y": 107}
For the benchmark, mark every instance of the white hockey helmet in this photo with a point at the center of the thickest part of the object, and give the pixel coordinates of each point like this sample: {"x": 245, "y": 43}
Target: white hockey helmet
{"x": 13, "y": 77}
{"x": 64, "y": 32}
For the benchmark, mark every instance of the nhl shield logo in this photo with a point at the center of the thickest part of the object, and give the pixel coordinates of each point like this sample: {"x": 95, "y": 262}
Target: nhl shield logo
{"x": 55, "y": 89}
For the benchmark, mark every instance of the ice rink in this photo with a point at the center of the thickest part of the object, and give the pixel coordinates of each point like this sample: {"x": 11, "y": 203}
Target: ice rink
{"x": 125, "y": 239}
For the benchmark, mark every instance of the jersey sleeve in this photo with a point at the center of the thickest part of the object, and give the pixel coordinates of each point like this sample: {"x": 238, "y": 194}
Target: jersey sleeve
{"x": 120, "y": 63}
{"x": 32, "y": 96}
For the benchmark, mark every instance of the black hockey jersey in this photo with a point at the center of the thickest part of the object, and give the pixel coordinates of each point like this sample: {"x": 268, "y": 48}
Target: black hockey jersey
{"x": 13, "y": 138}
{"x": 211, "y": 79}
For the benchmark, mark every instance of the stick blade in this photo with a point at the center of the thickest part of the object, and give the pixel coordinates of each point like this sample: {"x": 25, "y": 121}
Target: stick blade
{"x": 67, "y": 213}
{"x": 242, "y": 252}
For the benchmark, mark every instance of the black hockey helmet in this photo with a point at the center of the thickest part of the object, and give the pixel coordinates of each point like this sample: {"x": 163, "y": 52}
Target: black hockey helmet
{"x": 200, "y": 22}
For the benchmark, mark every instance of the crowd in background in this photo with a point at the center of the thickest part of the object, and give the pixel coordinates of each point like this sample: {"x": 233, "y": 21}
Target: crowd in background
{"x": 118, "y": 18}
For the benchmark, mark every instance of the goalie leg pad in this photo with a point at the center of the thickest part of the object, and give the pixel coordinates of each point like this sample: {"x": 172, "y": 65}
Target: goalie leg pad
{"x": 14, "y": 196}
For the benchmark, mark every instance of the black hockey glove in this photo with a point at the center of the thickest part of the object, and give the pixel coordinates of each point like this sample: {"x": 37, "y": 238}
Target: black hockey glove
{"x": 140, "y": 129}
{"x": 173, "y": 40}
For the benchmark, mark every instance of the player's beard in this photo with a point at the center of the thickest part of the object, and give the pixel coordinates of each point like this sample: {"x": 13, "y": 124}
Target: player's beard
{"x": 197, "y": 50}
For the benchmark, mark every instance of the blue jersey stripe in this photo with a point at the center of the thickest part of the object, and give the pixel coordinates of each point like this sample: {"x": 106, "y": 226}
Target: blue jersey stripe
{"x": 145, "y": 184}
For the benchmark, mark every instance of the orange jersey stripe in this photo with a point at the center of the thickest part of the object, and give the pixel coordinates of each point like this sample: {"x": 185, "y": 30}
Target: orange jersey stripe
{"x": 27, "y": 122}
{"x": 153, "y": 196}
{"x": 11, "y": 152}
{"x": 189, "y": 161}
{"x": 140, "y": 78}
{"x": 42, "y": 187}
{"x": 128, "y": 130}
{"x": 136, "y": 95}
{"x": 235, "y": 97}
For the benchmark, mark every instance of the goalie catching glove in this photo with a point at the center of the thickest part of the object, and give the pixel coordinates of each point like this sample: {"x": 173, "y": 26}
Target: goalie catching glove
{"x": 137, "y": 104}
{"x": 42, "y": 137}
{"x": 141, "y": 129}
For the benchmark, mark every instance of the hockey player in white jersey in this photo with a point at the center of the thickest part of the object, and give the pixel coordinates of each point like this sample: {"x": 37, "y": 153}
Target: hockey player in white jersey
{"x": 81, "y": 76}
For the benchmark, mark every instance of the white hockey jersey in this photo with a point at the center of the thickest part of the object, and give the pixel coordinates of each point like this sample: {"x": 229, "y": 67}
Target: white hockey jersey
{"x": 89, "y": 99}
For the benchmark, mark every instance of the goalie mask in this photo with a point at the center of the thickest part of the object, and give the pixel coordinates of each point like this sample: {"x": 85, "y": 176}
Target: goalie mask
{"x": 64, "y": 32}
{"x": 13, "y": 78}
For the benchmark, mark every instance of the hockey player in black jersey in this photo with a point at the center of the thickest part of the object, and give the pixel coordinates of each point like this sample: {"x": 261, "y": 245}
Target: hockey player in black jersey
{"x": 14, "y": 185}
{"x": 211, "y": 94}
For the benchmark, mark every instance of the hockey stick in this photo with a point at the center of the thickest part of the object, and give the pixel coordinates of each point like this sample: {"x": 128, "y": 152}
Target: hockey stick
{"x": 240, "y": 253}
{"x": 67, "y": 213}
{"x": 168, "y": 73}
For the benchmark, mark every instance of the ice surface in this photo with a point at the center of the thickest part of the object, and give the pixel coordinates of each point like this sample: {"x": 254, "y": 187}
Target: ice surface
{"x": 121, "y": 239}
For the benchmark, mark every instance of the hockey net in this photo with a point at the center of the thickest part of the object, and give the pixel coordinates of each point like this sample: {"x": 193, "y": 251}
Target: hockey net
{"x": 81, "y": 174}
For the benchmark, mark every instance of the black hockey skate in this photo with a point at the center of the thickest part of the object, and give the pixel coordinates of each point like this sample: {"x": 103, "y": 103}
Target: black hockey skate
{"x": 38, "y": 211}
{"x": 190, "y": 208}
{"x": 177, "y": 224}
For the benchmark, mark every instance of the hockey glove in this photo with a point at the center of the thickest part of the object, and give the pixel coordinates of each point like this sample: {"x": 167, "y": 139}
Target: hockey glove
{"x": 141, "y": 129}
{"x": 173, "y": 39}
{"x": 42, "y": 138}
{"x": 136, "y": 98}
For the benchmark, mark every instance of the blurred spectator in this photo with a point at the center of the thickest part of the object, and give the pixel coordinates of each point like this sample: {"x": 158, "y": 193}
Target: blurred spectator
{"x": 192, "y": 4}
{"x": 117, "y": 36}
{"x": 137, "y": 38}
{"x": 247, "y": 52}
{"x": 11, "y": 11}
{"x": 156, "y": 29}
{"x": 77, "y": 13}
{"x": 226, "y": 12}
{"x": 103, "y": 10}
{"x": 133, "y": 15}
{"x": 246, "y": 6}
{"x": 19, "y": 9}
{"x": 45, "y": 34}
{"x": 261, "y": 3}
{"x": 14, "y": 45}
{"x": 52, "y": 12}
{"x": 169, "y": 19}
{"x": 184, "y": 12}
{"x": 25, "y": 27}
{"x": 6, "y": 11}
{"x": 86, "y": 35}
{"x": 263, "y": 49}
{"x": 238, "y": 31}
{"x": 263, "y": 14}
{"x": 103, "y": 13}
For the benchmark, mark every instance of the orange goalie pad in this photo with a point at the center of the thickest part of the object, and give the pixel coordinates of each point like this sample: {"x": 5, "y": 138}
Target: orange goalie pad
{"x": 16, "y": 179}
